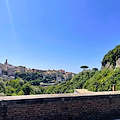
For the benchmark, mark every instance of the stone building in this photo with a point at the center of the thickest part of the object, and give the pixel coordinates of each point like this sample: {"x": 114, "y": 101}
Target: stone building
{"x": 62, "y": 71}
{"x": 68, "y": 75}
{"x": 8, "y": 69}
{"x": 1, "y": 68}
{"x": 21, "y": 69}
{"x": 29, "y": 70}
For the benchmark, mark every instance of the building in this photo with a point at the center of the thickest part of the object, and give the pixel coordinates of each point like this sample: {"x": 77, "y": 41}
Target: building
{"x": 68, "y": 75}
{"x": 21, "y": 69}
{"x": 8, "y": 69}
{"x": 29, "y": 70}
{"x": 53, "y": 74}
{"x": 62, "y": 71}
{"x": 1, "y": 69}
{"x": 58, "y": 75}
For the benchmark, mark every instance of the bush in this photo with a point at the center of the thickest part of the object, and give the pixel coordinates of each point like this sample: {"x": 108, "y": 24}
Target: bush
{"x": 26, "y": 89}
{"x": 21, "y": 92}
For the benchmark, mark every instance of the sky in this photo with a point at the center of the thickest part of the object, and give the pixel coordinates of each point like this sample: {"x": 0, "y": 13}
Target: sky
{"x": 58, "y": 34}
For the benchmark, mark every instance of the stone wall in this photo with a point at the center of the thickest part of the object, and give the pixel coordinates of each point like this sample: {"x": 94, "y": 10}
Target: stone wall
{"x": 60, "y": 107}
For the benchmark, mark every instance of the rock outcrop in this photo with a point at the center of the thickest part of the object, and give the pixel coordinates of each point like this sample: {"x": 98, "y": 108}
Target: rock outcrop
{"x": 118, "y": 63}
{"x": 112, "y": 59}
{"x": 108, "y": 66}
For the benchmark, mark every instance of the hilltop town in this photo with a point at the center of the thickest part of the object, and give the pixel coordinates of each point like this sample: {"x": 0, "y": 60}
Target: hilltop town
{"x": 8, "y": 71}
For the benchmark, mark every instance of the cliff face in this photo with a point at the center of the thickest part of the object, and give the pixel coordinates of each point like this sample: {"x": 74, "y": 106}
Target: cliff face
{"x": 108, "y": 66}
{"x": 118, "y": 63}
{"x": 112, "y": 59}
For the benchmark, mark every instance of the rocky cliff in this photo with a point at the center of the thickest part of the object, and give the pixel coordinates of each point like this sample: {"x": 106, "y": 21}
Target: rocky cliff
{"x": 112, "y": 59}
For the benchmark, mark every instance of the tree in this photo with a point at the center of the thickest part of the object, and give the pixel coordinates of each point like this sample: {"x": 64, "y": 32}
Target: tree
{"x": 21, "y": 92}
{"x": 26, "y": 89}
{"x": 84, "y": 67}
{"x": 95, "y": 69}
{"x": 2, "y": 87}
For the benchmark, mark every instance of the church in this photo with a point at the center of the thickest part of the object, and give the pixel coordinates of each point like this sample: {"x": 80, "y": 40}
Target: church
{"x": 7, "y": 69}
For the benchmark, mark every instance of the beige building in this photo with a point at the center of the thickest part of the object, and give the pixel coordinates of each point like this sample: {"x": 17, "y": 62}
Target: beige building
{"x": 8, "y": 69}
{"x": 34, "y": 70}
{"x": 21, "y": 69}
{"x": 53, "y": 74}
{"x": 1, "y": 69}
{"x": 62, "y": 71}
{"x": 68, "y": 75}
{"x": 29, "y": 70}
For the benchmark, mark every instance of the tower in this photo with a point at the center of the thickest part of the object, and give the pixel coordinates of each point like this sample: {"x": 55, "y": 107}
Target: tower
{"x": 6, "y": 62}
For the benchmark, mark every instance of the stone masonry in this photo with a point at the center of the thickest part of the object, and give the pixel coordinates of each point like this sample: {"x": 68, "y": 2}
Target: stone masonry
{"x": 75, "y": 106}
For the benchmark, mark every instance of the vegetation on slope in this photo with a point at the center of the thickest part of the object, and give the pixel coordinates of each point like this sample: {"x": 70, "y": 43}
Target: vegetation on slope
{"x": 93, "y": 80}
{"x": 102, "y": 80}
{"x": 33, "y": 78}
{"x": 76, "y": 82}
{"x": 112, "y": 56}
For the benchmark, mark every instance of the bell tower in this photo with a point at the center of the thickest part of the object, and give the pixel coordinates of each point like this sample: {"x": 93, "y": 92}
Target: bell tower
{"x": 6, "y": 62}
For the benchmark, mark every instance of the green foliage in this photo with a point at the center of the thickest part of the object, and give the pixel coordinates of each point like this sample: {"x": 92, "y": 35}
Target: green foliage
{"x": 37, "y": 90}
{"x": 26, "y": 89}
{"x": 2, "y": 86}
{"x": 10, "y": 90}
{"x": 76, "y": 82}
{"x": 112, "y": 56}
{"x": 84, "y": 66}
{"x": 49, "y": 90}
{"x": 95, "y": 69}
{"x": 21, "y": 87}
{"x": 29, "y": 76}
{"x": 34, "y": 78}
{"x": 35, "y": 82}
{"x": 2, "y": 94}
{"x": 103, "y": 80}
{"x": 21, "y": 92}
{"x": 92, "y": 80}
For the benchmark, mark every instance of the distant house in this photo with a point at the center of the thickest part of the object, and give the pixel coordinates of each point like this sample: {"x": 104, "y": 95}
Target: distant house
{"x": 68, "y": 75}
{"x": 62, "y": 71}
{"x": 29, "y": 70}
{"x": 8, "y": 69}
{"x": 21, "y": 69}
{"x": 34, "y": 70}
{"x": 0, "y": 71}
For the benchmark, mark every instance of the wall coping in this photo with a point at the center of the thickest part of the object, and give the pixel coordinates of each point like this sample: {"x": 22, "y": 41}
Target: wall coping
{"x": 68, "y": 95}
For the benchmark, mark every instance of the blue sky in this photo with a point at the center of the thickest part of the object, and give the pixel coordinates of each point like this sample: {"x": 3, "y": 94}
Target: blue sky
{"x": 58, "y": 34}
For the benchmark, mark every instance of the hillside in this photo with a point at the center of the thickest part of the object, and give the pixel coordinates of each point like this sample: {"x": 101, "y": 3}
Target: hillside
{"x": 76, "y": 82}
{"x": 112, "y": 58}
{"x": 102, "y": 80}
{"x": 92, "y": 80}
